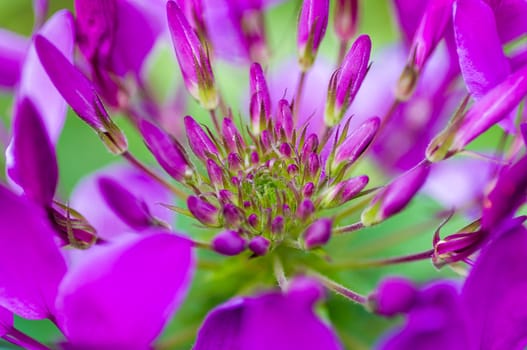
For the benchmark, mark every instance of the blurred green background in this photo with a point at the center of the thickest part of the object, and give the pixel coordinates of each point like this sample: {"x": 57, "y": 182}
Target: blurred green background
{"x": 80, "y": 153}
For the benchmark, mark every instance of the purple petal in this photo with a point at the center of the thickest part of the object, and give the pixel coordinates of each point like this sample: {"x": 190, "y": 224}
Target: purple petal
{"x": 40, "y": 10}
{"x": 31, "y": 266}
{"x": 12, "y": 51}
{"x": 495, "y": 292}
{"x": 481, "y": 57}
{"x": 6, "y": 321}
{"x": 34, "y": 81}
{"x": 492, "y": 108}
{"x": 409, "y": 13}
{"x": 76, "y": 89}
{"x": 34, "y": 164}
{"x": 270, "y": 321}
{"x": 123, "y": 294}
{"x": 511, "y": 18}
{"x": 437, "y": 320}
{"x": 88, "y": 200}
{"x": 312, "y": 25}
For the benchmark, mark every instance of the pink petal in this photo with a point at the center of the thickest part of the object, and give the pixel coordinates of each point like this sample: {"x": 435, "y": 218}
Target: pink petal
{"x": 121, "y": 295}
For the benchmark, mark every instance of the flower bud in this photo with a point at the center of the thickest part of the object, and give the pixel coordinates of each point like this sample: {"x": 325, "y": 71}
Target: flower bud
{"x": 277, "y": 225}
{"x": 394, "y": 295}
{"x": 260, "y": 99}
{"x": 345, "y": 22}
{"x": 167, "y": 151}
{"x": 318, "y": 233}
{"x": 259, "y": 245}
{"x": 232, "y": 215}
{"x": 344, "y": 191}
{"x": 215, "y": 173}
{"x": 199, "y": 141}
{"x": 205, "y": 212}
{"x": 346, "y": 81}
{"x": 457, "y": 247}
{"x": 356, "y": 143}
{"x": 313, "y": 166}
{"x": 285, "y": 120}
{"x": 308, "y": 189}
{"x": 310, "y": 146}
{"x": 253, "y": 220}
{"x": 395, "y": 196}
{"x": 234, "y": 161}
{"x": 312, "y": 26}
{"x": 305, "y": 209}
{"x": 192, "y": 57}
{"x": 231, "y": 136}
{"x": 228, "y": 243}
{"x": 80, "y": 94}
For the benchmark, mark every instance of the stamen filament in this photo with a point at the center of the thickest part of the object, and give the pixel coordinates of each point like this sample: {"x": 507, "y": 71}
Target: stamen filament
{"x": 339, "y": 289}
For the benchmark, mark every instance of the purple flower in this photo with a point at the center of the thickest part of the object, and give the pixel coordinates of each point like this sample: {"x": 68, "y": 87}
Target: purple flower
{"x": 273, "y": 320}
{"x": 346, "y": 14}
{"x": 12, "y": 50}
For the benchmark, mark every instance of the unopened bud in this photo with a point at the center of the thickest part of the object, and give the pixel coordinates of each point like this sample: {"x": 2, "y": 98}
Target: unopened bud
{"x": 205, "y": 212}
{"x": 199, "y": 141}
{"x": 318, "y": 233}
{"x": 259, "y": 245}
{"x": 312, "y": 26}
{"x": 228, "y": 243}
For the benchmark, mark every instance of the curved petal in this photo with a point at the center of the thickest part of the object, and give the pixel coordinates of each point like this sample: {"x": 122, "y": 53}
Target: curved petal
{"x": 33, "y": 164}
{"x": 34, "y": 81}
{"x": 88, "y": 200}
{"x": 481, "y": 57}
{"x": 121, "y": 295}
{"x": 436, "y": 321}
{"x": 511, "y": 18}
{"x": 12, "y": 52}
{"x": 270, "y": 321}
{"x": 31, "y": 265}
{"x": 495, "y": 292}
{"x": 6, "y": 321}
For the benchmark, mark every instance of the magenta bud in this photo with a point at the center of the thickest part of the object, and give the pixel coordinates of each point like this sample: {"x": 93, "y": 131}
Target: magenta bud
{"x": 235, "y": 181}
{"x": 292, "y": 169}
{"x": 265, "y": 139}
{"x": 318, "y": 233}
{"x": 310, "y": 146}
{"x": 234, "y": 161}
{"x": 232, "y": 215}
{"x": 312, "y": 26}
{"x": 277, "y": 225}
{"x": 260, "y": 99}
{"x": 259, "y": 245}
{"x": 167, "y": 151}
{"x": 225, "y": 196}
{"x": 80, "y": 94}
{"x": 192, "y": 57}
{"x": 305, "y": 209}
{"x": 199, "y": 141}
{"x": 346, "y": 81}
{"x": 215, "y": 173}
{"x": 344, "y": 191}
{"x": 228, "y": 243}
{"x": 285, "y": 150}
{"x": 132, "y": 210}
{"x": 308, "y": 189}
{"x": 313, "y": 165}
{"x": 395, "y": 196}
{"x": 246, "y": 204}
{"x": 232, "y": 136}
{"x": 286, "y": 210}
{"x": 394, "y": 295}
{"x": 255, "y": 158}
{"x": 356, "y": 143}
{"x": 205, "y": 212}
{"x": 345, "y": 22}
{"x": 253, "y": 220}
{"x": 285, "y": 121}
